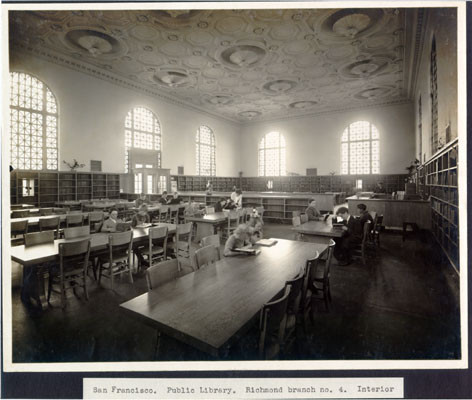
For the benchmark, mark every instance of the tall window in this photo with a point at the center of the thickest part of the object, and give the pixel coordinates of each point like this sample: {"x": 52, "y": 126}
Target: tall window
{"x": 33, "y": 123}
{"x": 272, "y": 155}
{"x": 434, "y": 98}
{"x": 142, "y": 131}
{"x": 206, "y": 149}
{"x": 360, "y": 149}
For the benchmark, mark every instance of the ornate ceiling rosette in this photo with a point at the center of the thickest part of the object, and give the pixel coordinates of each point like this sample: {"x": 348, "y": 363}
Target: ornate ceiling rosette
{"x": 94, "y": 43}
{"x": 250, "y": 114}
{"x": 280, "y": 86}
{"x": 172, "y": 78}
{"x": 374, "y": 93}
{"x": 304, "y": 104}
{"x": 242, "y": 56}
{"x": 219, "y": 100}
{"x": 366, "y": 68}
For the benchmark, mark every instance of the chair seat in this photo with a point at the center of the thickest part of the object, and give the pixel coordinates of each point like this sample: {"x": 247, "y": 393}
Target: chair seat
{"x": 155, "y": 250}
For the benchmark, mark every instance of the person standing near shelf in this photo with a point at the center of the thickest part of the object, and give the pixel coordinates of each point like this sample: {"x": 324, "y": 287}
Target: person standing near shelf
{"x": 238, "y": 200}
{"x": 312, "y": 212}
{"x": 379, "y": 188}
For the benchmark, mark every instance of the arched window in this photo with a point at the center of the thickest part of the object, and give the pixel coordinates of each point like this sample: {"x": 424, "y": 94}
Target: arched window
{"x": 272, "y": 155}
{"x": 142, "y": 131}
{"x": 33, "y": 123}
{"x": 360, "y": 149}
{"x": 206, "y": 149}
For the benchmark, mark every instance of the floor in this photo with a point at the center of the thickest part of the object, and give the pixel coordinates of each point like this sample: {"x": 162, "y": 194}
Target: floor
{"x": 402, "y": 305}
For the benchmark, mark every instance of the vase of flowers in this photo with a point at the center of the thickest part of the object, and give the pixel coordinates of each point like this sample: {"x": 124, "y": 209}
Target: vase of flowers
{"x": 74, "y": 165}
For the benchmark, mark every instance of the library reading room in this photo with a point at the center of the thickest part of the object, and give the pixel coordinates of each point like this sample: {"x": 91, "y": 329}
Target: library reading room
{"x": 233, "y": 184}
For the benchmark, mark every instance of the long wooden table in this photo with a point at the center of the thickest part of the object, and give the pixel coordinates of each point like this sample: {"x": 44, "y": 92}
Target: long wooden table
{"x": 31, "y": 257}
{"x": 206, "y": 224}
{"x": 208, "y": 308}
{"x": 35, "y": 220}
{"x": 319, "y": 228}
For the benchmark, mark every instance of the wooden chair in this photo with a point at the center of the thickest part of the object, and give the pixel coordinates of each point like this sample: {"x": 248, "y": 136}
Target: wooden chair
{"x": 163, "y": 213}
{"x": 161, "y": 273}
{"x": 119, "y": 257}
{"x": 360, "y": 250}
{"x": 320, "y": 277}
{"x": 121, "y": 208}
{"x": 76, "y": 232}
{"x": 35, "y": 238}
{"x": 181, "y": 213}
{"x": 377, "y": 228}
{"x": 157, "y": 246}
{"x": 308, "y": 273}
{"x": 50, "y": 224}
{"x": 209, "y": 210}
{"x": 18, "y": 228}
{"x": 74, "y": 220}
{"x": 295, "y": 223}
{"x": 234, "y": 218}
{"x": 20, "y": 214}
{"x": 213, "y": 240}
{"x": 95, "y": 218}
{"x": 272, "y": 324}
{"x": 293, "y": 306}
{"x": 46, "y": 211}
{"x": 58, "y": 211}
{"x": 295, "y": 214}
{"x": 73, "y": 264}
{"x": 303, "y": 218}
{"x": 173, "y": 217}
{"x": 182, "y": 244}
{"x": 206, "y": 255}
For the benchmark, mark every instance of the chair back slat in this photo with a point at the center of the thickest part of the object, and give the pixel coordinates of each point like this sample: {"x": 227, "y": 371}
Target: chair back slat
{"x": 74, "y": 249}
{"x": 296, "y": 221}
{"x": 120, "y": 238}
{"x": 95, "y": 216}
{"x": 303, "y": 218}
{"x": 161, "y": 273}
{"x": 76, "y": 231}
{"x": 310, "y": 270}
{"x": 49, "y": 224}
{"x": 35, "y": 238}
{"x": 20, "y": 214}
{"x": 206, "y": 255}
{"x": 19, "y": 227}
{"x": 295, "y": 293}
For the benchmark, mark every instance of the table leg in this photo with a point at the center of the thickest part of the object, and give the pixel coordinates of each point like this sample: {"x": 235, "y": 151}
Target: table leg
{"x": 33, "y": 286}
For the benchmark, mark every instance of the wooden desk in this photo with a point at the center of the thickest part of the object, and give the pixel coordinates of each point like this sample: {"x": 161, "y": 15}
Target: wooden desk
{"x": 395, "y": 212}
{"x": 319, "y": 228}
{"x": 207, "y": 308}
{"x": 35, "y": 220}
{"x": 31, "y": 257}
{"x": 206, "y": 224}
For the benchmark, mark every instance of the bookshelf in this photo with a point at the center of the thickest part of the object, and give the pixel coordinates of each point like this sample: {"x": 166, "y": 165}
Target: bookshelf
{"x": 50, "y": 187}
{"x": 440, "y": 175}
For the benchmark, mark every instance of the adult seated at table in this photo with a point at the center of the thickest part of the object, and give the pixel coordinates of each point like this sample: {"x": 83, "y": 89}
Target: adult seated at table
{"x": 220, "y": 205}
{"x": 241, "y": 237}
{"x": 109, "y": 225}
{"x": 312, "y": 212}
{"x": 351, "y": 237}
{"x": 175, "y": 199}
{"x": 141, "y": 217}
{"x": 364, "y": 215}
{"x": 164, "y": 200}
{"x": 379, "y": 188}
{"x": 142, "y": 199}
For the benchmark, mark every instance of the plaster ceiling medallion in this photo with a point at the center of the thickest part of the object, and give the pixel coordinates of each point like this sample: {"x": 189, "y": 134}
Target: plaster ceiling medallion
{"x": 249, "y": 114}
{"x": 176, "y": 18}
{"x": 172, "y": 79}
{"x": 303, "y": 104}
{"x": 95, "y": 43}
{"x": 297, "y": 47}
{"x": 365, "y": 69}
{"x": 373, "y": 93}
{"x": 219, "y": 100}
{"x": 231, "y": 25}
{"x": 284, "y": 31}
{"x": 351, "y": 23}
{"x": 243, "y": 56}
{"x": 279, "y": 86}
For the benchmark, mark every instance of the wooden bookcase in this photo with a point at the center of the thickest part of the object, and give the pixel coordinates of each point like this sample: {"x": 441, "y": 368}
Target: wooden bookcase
{"x": 441, "y": 183}
{"x": 50, "y": 187}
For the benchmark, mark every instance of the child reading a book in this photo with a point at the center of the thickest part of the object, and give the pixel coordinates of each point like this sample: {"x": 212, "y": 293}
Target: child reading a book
{"x": 241, "y": 237}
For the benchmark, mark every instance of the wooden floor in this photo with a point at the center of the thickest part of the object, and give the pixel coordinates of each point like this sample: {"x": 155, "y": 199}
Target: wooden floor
{"x": 403, "y": 305}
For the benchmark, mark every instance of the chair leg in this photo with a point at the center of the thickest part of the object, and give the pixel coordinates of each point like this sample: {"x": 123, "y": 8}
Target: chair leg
{"x": 158, "y": 343}
{"x": 112, "y": 276}
{"x": 129, "y": 270}
{"x": 63, "y": 294}
{"x": 85, "y": 286}
{"x": 49, "y": 286}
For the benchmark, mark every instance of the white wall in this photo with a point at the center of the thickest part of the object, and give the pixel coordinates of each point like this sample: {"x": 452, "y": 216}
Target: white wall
{"x": 315, "y": 142}
{"x": 92, "y": 114}
{"x": 442, "y": 25}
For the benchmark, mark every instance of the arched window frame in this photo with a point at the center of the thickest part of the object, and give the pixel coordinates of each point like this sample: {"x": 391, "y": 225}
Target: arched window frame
{"x": 272, "y": 155}
{"x": 34, "y": 123}
{"x": 360, "y": 147}
{"x": 205, "y": 147}
{"x": 142, "y": 131}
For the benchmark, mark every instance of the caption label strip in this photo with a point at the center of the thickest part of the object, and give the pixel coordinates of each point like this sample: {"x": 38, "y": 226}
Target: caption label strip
{"x": 263, "y": 388}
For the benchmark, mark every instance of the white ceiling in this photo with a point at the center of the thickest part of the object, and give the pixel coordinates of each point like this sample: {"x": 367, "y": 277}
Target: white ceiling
{"x": 243, "y": 65}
